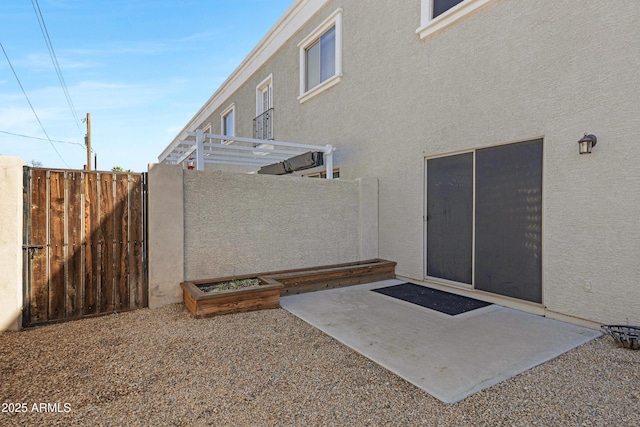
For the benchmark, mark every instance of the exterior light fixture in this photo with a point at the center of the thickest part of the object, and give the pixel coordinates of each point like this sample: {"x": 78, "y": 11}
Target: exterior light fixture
{"x": 586, "y": 143}
{"x": 190, "y": 163}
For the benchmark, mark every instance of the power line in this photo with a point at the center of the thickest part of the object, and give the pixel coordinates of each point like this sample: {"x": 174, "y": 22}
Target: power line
{"x": 54, "y": 59}
{"x": 42, "y": 139}
{"x": 31, "y": 105}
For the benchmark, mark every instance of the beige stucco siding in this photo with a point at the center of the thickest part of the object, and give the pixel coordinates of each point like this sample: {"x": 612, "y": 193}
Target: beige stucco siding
{"x": 511, "y": 71}
{"x": 166, "y": 234}
{"x": 240, "y": 224}
{"x": 11, "y": 252}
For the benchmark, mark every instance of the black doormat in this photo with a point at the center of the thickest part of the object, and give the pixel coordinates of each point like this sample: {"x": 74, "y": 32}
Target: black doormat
{"x": 434, "y": 299}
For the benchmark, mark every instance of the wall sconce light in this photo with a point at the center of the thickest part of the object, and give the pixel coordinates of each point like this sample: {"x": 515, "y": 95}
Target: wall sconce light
{"x": 586, "y": 143}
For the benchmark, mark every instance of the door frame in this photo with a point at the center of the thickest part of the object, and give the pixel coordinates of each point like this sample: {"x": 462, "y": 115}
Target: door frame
{"x": 472, "y": 286}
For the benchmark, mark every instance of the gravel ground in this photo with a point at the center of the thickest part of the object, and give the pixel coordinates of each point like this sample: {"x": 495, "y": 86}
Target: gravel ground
{"x": 163, "y": 368}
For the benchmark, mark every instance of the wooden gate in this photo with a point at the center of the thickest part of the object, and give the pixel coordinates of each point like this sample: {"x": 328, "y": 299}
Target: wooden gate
{"x": 84, "y": 244}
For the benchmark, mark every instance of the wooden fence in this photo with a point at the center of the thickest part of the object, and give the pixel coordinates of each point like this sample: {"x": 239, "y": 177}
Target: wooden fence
{"x": 84, "y": 244}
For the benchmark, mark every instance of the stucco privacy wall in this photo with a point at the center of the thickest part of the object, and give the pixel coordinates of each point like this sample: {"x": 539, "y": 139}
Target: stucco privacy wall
{"x": 166, "y": 234}
{"x": 205, "y": 224}
{"x": 11, "y": 177}
{"x": 239, "y": 223}
{"x": 511, "y": 71}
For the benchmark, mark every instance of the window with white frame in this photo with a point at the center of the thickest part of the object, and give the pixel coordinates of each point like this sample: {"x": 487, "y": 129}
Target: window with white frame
{"x": 321, "y": 57}
{"x": 206, "y": 130}
{"x": 263, "y": 123}
{"x": 439, "y": 14}
{"x": 227, "y": 122}
{"x": 441, "y": 6}
{"x": 323, "y": 174}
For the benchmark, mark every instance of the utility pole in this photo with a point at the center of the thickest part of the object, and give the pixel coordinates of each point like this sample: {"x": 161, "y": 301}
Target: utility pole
{"x": 88, "y": 141}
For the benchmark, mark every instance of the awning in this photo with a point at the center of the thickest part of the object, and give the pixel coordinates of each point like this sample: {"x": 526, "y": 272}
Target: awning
{"x": 206, "y": 148}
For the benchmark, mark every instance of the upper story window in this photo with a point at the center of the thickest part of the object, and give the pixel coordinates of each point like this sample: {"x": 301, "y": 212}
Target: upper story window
{"x": 439, "y": 14}
{"x": 321, "y": 57}
{"x": 227, "y": 122}
{"x": 263, "y": 123}
{"x": 441, "y": 6}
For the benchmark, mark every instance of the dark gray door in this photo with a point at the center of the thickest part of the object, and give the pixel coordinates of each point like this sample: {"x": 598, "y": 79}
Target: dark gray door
{"x": 509, "y": 220}
{"x": 450, "y": 217}
{"x": 507, "y": 256}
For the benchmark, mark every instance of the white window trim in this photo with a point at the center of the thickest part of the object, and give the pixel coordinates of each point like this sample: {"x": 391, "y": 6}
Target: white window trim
{"x": 335, "y": 19}
{"x": 206, "y": 129}
{"x": 229, "y": 109}
{"x": 429, "y": 25}
{"x": 318, "y": 174}
{"x": 268, "y": 82}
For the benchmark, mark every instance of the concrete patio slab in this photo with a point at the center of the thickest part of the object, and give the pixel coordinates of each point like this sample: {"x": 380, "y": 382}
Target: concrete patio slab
{"x": 450, "y": 357}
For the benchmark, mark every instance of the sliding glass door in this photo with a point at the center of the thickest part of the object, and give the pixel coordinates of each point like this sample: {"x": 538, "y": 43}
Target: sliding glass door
{"x": 484, "y": 219}
{"x": 450, "y": 217}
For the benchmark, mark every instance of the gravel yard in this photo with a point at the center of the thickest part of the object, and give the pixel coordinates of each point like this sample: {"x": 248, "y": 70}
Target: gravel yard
{"x": 163, "y": 368}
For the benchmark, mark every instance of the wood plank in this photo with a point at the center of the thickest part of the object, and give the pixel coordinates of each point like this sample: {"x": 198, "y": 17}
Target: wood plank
{"x": 137, "y": 289}
{"x": 106, "y": 282}
{"x": 57, "y": 260}
{"x": 204, "y": 304}
{"x": 306, "y": 271}
{"x": 75, "y": 255}
{"x": 81, "y": 271}
{"x": 198, "y": 294}
{"x": 39, "y": 284}
{"x": 239, "y": 303}
{"x": 92, "y": 239}
{"x": 291, "y": 279}
{"x": 237, "y": 299}
{"x": 345, "y": 265}
{"x": 331, "y": 284}
{"x": 190, "y": 302}
{"x": 121, "y": 244}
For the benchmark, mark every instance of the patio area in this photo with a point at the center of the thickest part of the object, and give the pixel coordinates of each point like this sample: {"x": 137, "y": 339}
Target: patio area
{"x": 449, "y": 356}
{"x": 162, "y": 367}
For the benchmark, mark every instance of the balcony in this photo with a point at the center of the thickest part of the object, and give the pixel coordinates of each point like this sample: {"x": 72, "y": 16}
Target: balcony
{"x": 263, "y": 125}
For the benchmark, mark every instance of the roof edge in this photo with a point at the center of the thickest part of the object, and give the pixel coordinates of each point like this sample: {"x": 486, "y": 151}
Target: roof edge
{"x": 291, "y": 21}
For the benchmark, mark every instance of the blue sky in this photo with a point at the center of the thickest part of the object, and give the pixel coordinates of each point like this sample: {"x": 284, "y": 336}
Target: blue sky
{"x": 142, "y": 68}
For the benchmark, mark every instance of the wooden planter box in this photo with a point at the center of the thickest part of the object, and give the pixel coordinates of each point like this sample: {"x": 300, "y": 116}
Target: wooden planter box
{"x": 274, "y": 284}
{"x": 334, "y": 276}
{"x": 206, "y": 304}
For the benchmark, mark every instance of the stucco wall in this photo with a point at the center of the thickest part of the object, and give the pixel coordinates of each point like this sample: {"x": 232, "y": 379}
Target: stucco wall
{"x": 238, "y": 223}
{"x": 11, "y": 243}
{"x": 206, "y": 224}
{"x": 511, "y": 71}
{"x": 166, "y": 234}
